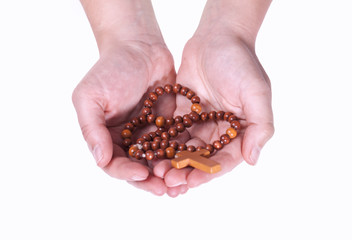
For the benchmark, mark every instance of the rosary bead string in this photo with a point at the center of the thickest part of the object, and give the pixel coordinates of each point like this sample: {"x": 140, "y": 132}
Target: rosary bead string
{"x": 157, "y": 144}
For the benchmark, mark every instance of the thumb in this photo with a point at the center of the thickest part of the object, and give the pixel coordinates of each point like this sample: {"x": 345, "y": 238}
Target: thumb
{"x": 255, "y": 137}
{"x": 92, "y": 122}
{"x": 258, "y": 111}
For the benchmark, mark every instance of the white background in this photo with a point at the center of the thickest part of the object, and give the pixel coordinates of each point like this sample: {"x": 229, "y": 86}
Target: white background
{"x": 50, "y": 187}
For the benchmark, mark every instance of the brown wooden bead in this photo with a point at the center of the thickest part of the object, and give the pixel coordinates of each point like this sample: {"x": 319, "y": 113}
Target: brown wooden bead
{"x": 129, "y": 126}
{"x": 151, "y": 118}
{"x": 148, "y": 103}
{"x": 146, "y": 111}
{"x": 173, "y": 132}
{"x": 180, "y": 127}
{"x": 164, "y": 144}
{"x": 135, "y": 122}
{"x": 140, "y": 141}
{"x": 227, "y": 115}
{"x": 160, "y": 153}
{"x": 194, "y": 116}
{"x": 152, "y": 135}
{"x": 225, "y": 139}
{"x": 170, "y": 152}
{"x": 127, "y": 142}
{"x": 217, "y": 145}
{"x": 139, "y": 154}
{"x": 146, "y": 137}
{"x": 177, "y": 88}
{"x": 190, "y": 94}
{"x": 187, "y": 122}
{"x": 153, "y": 96}
{"x": 220, "y": 115}
{"x": 210, "y": 148}
{"x": 231, "y": 132}
{"x": 182, "y": 147}
{"x": 173, "y": 144}
{"x": 169, "y": 122}
{"x": 204, "y": 116}
{"x": 162, "y": 129}
{"x": 195, "y": 99}
{"x": 160, "y": 121}
{"x": 158, "y": 132}
{"x": 149, "y": 155}
{"x": 232, "y": 118}
{"x": 212, "y": 115}
{"x": 146, "y": 146}
{"x": 159, "y": 91}
{"x": 196, "y": 108}
{"x": 155, "y": 145}
{"x": 199, "y": 148}
{"x": 191, "y": 148}
{"x": 132, "y": 151}
{"x": 184, "y": 91}
{"x": 236, "y": 125}
{"x": 157, "y": 139}
{"x": 142, "y": 120}
{"x": 178, "y": 119}
{"x": 165, "y": 136}
{"x": 168, "y": 88}
{"x": 126, "y": 134}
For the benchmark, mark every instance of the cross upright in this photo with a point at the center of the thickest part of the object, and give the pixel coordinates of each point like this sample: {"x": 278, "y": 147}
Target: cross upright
{"x": 198, "y": 159}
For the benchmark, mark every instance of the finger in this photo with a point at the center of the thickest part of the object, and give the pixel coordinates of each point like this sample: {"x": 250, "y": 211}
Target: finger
{"x": 176, "y": 177}
{"x": 229, "y": 157}
{"x": 162, "y": 168}
{"x": 121, "y": 167}
{"x": 255, "y": 137}
{"x": 152, "y": 184}
{"x": 92, "y": 121}
{"x": 175, "y": 191}
{"x": 259, "y": 115}
{"x": 134, "y": 173}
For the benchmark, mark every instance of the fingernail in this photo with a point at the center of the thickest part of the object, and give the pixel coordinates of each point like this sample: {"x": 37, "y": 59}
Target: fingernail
{"x": 254, "y": 155}
{"x": 138, "y": 178}
{"x": 178, "y": 184}
{"x": 97, "y": 153}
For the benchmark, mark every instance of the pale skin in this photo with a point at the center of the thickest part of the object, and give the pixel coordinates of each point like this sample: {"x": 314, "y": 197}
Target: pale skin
{"x": 133, "y": 53}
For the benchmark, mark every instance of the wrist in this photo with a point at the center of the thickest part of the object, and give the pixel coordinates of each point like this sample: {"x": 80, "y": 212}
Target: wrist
{"x": 109, "y": 42}
{"x": 239, "y": 18}
{"x": 116, "y": 21}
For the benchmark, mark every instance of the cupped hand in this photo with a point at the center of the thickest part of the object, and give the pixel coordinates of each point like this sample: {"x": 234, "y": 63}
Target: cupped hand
{"x": 111, "y": 94}
{"x": 226, "y": 74}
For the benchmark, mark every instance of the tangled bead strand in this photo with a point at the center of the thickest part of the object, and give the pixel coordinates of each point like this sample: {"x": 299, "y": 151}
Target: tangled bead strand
{"x": 157, "y": 144}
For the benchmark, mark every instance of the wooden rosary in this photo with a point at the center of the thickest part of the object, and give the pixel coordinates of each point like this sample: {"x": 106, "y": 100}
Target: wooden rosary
{"x": 157, "y": 144}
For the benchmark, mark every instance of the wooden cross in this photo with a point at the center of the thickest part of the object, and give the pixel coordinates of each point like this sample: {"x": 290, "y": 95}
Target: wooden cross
{"x": 198, "y": 159}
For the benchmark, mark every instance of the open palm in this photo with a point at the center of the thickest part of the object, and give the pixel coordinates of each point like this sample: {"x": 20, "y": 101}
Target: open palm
{"x": 111, "y": 94}
{"x": 227, "y": 76}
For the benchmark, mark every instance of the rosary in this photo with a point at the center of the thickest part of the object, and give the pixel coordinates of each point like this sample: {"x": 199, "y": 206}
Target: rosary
{"x": 157, "y": 144}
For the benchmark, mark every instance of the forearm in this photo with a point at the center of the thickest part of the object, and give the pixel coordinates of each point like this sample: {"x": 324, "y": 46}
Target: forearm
{"x": 120, "y": 20}
{"x": 241, "y": 16}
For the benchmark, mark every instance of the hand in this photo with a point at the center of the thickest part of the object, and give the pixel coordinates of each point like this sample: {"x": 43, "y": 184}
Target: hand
{"x": 226, "y": 74}
{"x": 110, "y": 95}
{"x": 133, "y": 61}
